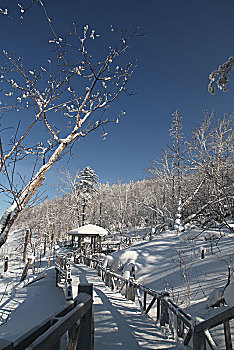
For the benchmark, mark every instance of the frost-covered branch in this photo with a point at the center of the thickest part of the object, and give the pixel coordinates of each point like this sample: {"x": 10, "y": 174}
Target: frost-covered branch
{"x": 221, "y": 76}
{"x": 68, "y": 98}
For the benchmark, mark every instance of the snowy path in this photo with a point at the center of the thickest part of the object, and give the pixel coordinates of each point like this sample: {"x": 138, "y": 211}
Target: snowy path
{"x": 119, "y": 324}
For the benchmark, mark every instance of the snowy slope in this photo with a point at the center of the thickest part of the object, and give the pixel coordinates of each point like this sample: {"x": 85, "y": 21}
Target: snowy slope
{"x": 173, "y": 262}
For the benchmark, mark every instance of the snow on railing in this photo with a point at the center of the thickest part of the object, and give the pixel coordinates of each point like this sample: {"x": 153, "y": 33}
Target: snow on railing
{"x": 76, "y": 318}
{"x": 168, "y": 313}
{"x": 63, "y": 268}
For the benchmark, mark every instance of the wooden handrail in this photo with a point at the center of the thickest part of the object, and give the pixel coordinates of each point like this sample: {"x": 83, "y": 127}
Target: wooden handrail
{"x": 199, "y": 332}
{"x": 216, "y": 320}
{"x": 76, "y": 317}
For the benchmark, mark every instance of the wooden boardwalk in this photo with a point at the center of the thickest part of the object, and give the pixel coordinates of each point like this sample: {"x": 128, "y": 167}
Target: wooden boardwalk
{"x": 119, "y": 323}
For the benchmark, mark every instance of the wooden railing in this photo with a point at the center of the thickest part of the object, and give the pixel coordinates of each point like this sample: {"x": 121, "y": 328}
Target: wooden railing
{"x": 76, "y": 318}
{"x": 202, "y": 334}
{"x": 167, "y": 312}
{"x": 63, "y": 269}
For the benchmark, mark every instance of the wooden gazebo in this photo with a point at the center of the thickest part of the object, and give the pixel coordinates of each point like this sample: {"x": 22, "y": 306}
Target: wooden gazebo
{"x": 95, "y": 233}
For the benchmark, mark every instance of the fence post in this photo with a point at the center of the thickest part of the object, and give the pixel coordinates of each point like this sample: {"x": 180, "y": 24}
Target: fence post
{"x": 144, "y": 301}
{"x": 86, "y": 338}
{"x": 199, "y": 340}
{"x": 73, "y": 336}
{"x": 180, "y": 327}
{"x": 6, "y": 264}
{"x": 126, "y": 289}
{"x": 57, "y": 277}
{"x": 158, "y": 308}
{"x": 164, "y": 314}
{"x": 68, "y": 279}
{"x": 227, "y": 333}
{"x": 108, "y": 278}
{"x": 131, "y": 289}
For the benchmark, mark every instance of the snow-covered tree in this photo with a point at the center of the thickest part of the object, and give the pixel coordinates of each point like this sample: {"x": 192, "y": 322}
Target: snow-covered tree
{"x": 87, "y": 186}
{"x": 211, "y": 157}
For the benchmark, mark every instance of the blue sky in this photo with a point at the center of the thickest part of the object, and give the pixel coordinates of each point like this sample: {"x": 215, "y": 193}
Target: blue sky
{"x": 185, "y": 40}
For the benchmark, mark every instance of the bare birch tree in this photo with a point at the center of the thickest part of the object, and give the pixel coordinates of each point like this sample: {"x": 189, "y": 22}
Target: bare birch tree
{"x": 68, "y": 97}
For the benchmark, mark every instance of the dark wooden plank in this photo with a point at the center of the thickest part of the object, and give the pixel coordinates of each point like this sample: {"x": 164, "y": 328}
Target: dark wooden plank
{"x": 199, "y": 341}
{"x": 6, "y": 345}
{"x": 180, "y": 327}
{"x": 188, "y": 337}
{"x": 33, "y": 334}
{"x": 158, "y": 308}
{"x": 126, "y": 289}
{"x": 85, "y": 340}
{"x": 227, "y": 334}
{"x": 164, "y": 319}
{"x": 215, "y": 320}
{"x": 73, "y": 336}
{"x": 150, "y": 305}
{"x": 50, "y": 338}
{"x": 144, "y": 300}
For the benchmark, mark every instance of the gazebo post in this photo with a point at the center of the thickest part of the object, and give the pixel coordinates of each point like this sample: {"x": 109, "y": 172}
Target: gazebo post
{"x": 94, "y": 244}
{"x": 85, "y": 248}
{"x": 100, "y": 244}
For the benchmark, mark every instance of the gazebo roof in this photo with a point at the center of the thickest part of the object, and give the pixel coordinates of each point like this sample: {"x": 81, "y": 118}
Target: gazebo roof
{"x": 88, "y": 231}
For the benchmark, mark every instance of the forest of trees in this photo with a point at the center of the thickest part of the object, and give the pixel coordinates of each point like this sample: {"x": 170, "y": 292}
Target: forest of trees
{"x": 192, "y": 184}
{"x": 193, "y": 177}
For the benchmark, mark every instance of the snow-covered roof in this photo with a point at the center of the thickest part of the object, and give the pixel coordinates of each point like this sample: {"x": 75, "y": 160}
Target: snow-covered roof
{"x": 88, "y": 230}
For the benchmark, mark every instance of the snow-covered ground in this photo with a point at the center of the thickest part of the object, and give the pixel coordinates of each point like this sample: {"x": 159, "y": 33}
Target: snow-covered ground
{"x": 36, "y": 302}
{"x": 10, "y": 281}
{"x": 166, "y": 262}
{"x": 173, "y": 262}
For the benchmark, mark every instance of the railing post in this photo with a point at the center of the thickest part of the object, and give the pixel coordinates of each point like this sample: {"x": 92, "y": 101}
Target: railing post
{"x": 227, "y": 334}
{"x": 199, "y": 340}
{"x": 6, "y": 264}
{"x": 57, "y": 277}
{"x": 131, "y": 290}
{"x": 144, "y": 300}
{"x": 86, "y": 338}
{"x": 108, "y": 278}
{"x": 73, "y": 336}
{"x": 180, "y": 327}
{"x": 158, "y": 308}
{"x": 126, "y": 289}
{"x": 68, "y": 279}
{"x": 164, "y": 314}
